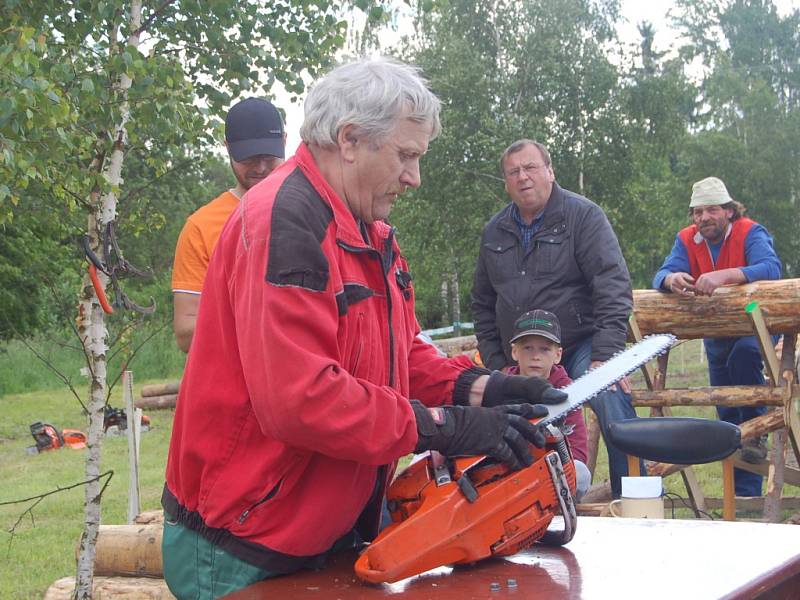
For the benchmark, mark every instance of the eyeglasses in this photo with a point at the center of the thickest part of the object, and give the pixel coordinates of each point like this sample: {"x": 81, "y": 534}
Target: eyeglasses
{"x": 528, "y": 169}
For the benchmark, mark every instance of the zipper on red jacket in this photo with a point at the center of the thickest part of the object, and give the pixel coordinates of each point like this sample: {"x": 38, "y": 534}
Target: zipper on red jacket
{"x": 388, "y": 259}
{"x": 269, "y": 495}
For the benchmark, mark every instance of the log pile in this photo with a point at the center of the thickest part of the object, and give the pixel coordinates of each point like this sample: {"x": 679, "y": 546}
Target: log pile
{"x": 129, "y": 550}
{"x": 722, "y": 314}
{"x": 118, "y": 588}
{"x": 466, "y": 344}
{"x": 164, "y": 395}
{"x": 127, "y": 565}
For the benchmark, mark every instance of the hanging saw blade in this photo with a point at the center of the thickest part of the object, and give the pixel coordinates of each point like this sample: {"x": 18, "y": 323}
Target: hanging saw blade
{"x": 598, "y": 379}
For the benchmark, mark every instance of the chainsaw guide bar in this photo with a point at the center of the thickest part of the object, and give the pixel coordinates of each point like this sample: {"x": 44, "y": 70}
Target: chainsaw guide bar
{"x": 601, "y": 378}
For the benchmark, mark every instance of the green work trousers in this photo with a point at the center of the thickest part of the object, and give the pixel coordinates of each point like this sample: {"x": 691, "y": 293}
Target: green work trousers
{"x": 196, "y": 568}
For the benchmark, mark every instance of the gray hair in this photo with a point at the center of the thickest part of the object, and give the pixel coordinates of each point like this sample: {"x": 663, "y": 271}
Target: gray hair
{"x": 371, "y": 95}
{"x": 519, "y": 145}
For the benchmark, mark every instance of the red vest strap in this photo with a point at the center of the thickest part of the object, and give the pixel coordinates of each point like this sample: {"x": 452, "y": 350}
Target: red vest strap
{"x": 730, "y": 255}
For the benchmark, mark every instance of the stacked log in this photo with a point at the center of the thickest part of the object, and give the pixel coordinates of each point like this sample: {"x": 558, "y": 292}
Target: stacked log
{"x": 163, "y": 395}
{"x": 751, "y": 395}
{"x": 129, "y": 550}
{"x": 721, "y": 314}
{"x": 466, "y": 344}
{"x": 103, "y": 588}
{"x": 127, "y": 565}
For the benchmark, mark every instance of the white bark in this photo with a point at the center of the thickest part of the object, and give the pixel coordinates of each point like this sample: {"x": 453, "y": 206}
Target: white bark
{"x": 93, "y": 331}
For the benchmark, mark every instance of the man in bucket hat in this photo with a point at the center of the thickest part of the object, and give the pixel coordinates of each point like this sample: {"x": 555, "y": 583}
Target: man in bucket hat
{"x": 722, "y": 247}
{"x": 255, "y": 140}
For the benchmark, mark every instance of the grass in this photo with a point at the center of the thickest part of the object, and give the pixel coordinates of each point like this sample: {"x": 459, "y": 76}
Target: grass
{"x": 21, "y": 371}
{"x": 42, "y": 548}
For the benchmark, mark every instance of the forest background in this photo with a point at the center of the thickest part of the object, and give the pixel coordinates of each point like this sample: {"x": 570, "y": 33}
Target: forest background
{"x": 629, "y": 126}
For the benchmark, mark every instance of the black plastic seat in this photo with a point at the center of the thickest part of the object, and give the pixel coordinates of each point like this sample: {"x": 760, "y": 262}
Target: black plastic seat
{"x": 678, "y": 440}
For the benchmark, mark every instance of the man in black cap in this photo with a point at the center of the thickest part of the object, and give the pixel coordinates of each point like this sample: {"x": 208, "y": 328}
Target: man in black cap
{"x": 256, "y": 141}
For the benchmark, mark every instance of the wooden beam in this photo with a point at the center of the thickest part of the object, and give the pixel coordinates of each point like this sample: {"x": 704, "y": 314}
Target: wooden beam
{"x": 734, "y": 395}
{"x": 719, "y": 315}
{"x": 764, "y": 340}
{"x": 791, "y": 405}
{"x": 168, "y": 401}
{"x": 635, "y": 334}
{"x": 160, "y": 389}
{"x": 791, "y": 475}
{"x": 633, "y": 466}
{"x": 728, "y": 493}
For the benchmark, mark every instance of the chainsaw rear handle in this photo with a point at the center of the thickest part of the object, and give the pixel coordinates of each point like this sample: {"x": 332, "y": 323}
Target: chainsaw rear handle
{"x": 678, "y": 440}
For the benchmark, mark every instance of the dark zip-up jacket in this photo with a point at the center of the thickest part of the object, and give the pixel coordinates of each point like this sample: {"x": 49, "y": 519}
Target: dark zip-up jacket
{"x": 573, "y": 267}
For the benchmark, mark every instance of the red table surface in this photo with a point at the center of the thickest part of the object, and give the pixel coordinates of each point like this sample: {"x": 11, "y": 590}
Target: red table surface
{"x": 608, "y": 558}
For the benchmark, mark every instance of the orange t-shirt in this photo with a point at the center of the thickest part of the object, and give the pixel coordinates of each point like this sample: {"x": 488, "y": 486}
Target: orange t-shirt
{"x": 196, "y": 243}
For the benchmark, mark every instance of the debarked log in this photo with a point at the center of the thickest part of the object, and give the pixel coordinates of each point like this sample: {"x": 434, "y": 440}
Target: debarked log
{"x": 721, "y": 314}
{"x": 457, "y": 345}
{"x": 161, "y": 389}
{"x": 168, "y": 401}
{"x": 129, "y": 550}
{"x": 118, "y": 588}
{"x": 751, "y": 395}
{"x": 750, "y": 429}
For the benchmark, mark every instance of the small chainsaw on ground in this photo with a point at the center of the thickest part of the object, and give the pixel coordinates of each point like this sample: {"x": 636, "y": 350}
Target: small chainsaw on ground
{"x": 465, "y": 509}
{"x": 48, "y": 437}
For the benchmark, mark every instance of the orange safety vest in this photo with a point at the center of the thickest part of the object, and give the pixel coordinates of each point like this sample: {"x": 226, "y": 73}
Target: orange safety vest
{"x": 730, "y": 255}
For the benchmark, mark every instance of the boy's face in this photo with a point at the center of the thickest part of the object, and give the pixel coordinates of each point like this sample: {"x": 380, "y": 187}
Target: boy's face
{"x": 536, "y": 355}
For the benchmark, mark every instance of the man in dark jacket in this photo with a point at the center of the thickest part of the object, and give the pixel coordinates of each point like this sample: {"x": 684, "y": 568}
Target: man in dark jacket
{"x": 553, "y": 249}
{"x": 295, "y": 403}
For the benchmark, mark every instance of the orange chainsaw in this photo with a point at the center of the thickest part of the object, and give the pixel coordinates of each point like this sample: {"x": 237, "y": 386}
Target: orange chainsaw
{"x": 466, "y": 509}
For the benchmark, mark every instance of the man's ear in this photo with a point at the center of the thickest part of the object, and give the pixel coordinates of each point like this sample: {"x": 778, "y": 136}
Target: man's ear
{"x": 514, "y": 352}
{"x": 347, "y": 141}
{"x": 559, "y": 352}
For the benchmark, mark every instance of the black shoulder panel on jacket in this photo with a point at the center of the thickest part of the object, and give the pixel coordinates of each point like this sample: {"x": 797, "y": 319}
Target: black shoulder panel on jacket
{"x": 300, "y": 219}
{"x": 351, "y": 294}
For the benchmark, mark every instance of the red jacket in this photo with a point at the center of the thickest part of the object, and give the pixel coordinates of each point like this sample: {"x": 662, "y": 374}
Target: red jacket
{"x": 578, "y": 439}
{"x": 293, "y": 407}
{"x": 730, "y": 255}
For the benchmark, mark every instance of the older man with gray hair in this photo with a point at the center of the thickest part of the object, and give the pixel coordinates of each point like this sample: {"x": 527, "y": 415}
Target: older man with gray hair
{"x": 295, "y": 402}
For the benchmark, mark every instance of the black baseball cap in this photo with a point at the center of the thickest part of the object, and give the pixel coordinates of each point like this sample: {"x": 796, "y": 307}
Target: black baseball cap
{"x": 252, "y": 127}
{"x": 538, "y": 322}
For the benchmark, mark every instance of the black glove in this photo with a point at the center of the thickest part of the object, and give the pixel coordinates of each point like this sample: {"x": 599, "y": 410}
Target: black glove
{"x": 516, "y": 389}
{"x": 503, "y": 432}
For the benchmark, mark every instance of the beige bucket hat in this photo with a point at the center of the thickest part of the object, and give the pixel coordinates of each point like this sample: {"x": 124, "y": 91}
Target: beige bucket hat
{"x": 709, "y": 192}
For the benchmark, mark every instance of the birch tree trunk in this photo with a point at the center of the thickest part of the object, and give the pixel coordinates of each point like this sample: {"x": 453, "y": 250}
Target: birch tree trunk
{"x": 92, "y": 329}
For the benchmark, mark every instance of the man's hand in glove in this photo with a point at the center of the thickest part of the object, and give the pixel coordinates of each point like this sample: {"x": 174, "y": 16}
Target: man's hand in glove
{"x": 515, "y": 389}
{"x": 502, "y": 433}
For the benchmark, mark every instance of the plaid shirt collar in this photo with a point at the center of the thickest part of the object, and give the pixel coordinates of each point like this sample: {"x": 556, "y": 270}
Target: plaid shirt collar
{"x": 526, "y": 231}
